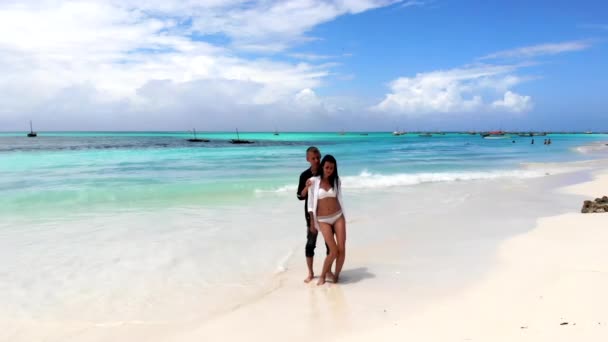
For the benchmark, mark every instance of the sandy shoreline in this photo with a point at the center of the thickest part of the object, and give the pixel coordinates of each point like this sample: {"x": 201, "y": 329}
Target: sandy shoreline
{"x": 461, "y": 275}
{"x": 544, "y": 285}
{"x": 548, "y": 285}
{"x": 537, "y": 280}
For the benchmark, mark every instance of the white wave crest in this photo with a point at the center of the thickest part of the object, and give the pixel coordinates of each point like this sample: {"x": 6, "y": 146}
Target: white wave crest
{"x": 593, "y": 148}
{"x": 286, "y": 188}
{"x": 367, "y": 180}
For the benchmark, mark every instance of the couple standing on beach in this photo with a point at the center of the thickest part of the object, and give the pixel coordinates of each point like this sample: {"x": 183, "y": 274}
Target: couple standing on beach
{"x": 320, "y": 188}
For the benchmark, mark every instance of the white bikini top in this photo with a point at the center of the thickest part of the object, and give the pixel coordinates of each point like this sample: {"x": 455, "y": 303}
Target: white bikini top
{"x": 326, "y": 193}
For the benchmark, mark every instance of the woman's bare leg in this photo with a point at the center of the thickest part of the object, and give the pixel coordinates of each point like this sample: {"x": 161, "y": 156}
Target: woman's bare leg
{"x": 340, "y": 229}
{"x": 328, "y": 235}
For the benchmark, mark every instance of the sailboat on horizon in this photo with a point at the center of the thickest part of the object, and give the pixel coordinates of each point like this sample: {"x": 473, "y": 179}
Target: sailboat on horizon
{"x": 32, "y": 134}
{"x": 195, "y": 139}
{"x": 238, "y": 139}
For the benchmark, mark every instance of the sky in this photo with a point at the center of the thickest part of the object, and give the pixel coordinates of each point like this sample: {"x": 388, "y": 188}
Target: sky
{"x": 303, "y": 65}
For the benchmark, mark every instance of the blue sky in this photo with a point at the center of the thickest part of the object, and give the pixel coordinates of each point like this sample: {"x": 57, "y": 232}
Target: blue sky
{"x": 303, "y": 65}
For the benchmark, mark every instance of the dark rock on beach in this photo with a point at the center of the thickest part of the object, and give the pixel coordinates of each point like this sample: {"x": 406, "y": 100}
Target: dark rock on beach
{"x": 600, "y": 205}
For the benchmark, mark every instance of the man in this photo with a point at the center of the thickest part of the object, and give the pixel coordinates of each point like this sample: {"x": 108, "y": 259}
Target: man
{"x": 313, "y": 157}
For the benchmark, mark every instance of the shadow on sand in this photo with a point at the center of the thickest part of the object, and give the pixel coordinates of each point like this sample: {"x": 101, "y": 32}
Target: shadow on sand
{"x": 351, "y": 276}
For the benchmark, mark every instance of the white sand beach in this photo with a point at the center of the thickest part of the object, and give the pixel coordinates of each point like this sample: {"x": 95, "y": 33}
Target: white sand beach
{"x": 491, "y": 260}
{"x": 546, "y": 284}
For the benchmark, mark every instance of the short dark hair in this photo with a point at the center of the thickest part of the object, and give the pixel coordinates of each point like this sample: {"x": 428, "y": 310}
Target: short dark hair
{"x": 313, "y": 149}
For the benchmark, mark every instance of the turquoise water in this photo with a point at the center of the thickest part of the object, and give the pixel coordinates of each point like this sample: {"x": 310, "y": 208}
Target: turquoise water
{"x": 84, "y": 172}
{"x": 107, "y": 227}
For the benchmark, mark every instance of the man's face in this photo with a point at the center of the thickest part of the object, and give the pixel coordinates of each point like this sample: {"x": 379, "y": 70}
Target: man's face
{"x": 313, "y": 158}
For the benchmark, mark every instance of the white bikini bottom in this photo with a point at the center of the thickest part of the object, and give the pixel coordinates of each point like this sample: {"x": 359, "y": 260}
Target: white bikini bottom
{"x": 331, "y": 219}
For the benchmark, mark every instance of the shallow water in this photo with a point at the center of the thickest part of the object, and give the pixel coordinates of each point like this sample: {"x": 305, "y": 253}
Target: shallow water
{"x": 148, "y": 226}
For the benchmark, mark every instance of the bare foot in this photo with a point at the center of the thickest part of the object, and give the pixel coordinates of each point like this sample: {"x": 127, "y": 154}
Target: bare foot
{"x": 321, "y": 281}
{"x": 331, "y": 277}
{"x": 309, "y": 278}
{"x": 337, "y": 278}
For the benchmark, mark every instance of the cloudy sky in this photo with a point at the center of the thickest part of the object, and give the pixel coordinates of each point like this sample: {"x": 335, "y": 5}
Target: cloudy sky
{"x": 303, "y": 64}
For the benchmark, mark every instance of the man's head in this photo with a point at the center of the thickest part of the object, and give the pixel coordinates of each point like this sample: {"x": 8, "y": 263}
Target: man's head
{"x": 313, "y": 156}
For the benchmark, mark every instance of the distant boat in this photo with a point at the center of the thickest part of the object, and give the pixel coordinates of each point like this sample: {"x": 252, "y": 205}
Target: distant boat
{"x": 425, "y": 135}
{"x": 275, "y": 132}
{"x": 363, "y": 133}
{"x": 588, "y": 132}
{"x": 342, "y": 132}
{"x": 32, "y": 134}
{"x": 238, "y": 140}
{"x": 398, "y": 132}
{"x": 195, "y": 139}
{"x": 494, "y": 135}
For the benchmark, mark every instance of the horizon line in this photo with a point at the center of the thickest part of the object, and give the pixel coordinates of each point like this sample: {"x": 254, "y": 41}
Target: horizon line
{"x": 331, "y": 131}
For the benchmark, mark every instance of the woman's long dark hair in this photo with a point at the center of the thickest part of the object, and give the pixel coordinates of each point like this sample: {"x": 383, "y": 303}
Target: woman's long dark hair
{"x": 334, "y": 179}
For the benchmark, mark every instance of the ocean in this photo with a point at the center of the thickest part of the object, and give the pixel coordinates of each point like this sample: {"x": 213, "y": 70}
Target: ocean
{"x": 81, "y": 173}
{"x": 125, "y": 223}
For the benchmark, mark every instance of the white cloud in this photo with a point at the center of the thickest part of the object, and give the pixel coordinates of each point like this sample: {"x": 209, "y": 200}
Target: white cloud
{"x": 316, "y": 57}
{"x": 263, "y": 25}
{"x": 307, "y": 98}
{"x": 260, "y": 25}
{"x": 470, "y": 89}
{"x": 271, "y": 26}
{"x": 414, "y": 3}
{"x": 513, "y": 102}
{"x": 310, "y": 56}
{"x": 453, "y": 91}
{"x": 310, "y": 102}
{"x": 540, "y": 50}
{"x": 146, "y": 62}
{"x": 103, "y": 60}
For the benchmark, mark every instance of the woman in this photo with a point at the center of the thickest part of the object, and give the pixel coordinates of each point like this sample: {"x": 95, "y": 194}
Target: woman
{"x": 327, "y": 214}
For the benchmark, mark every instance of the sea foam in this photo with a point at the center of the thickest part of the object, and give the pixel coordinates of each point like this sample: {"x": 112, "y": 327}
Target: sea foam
{"x": 369, "y": 180}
